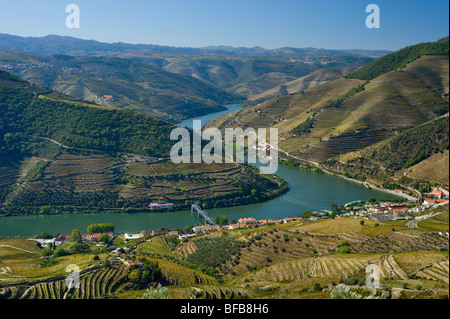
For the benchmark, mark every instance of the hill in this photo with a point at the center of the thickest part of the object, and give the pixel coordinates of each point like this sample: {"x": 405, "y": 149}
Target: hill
{"x": 119, "y": 83}
{"x": 399, "y": 59}
{"x": 74, "y": 157}
{"x": 239, "y": 71}
{"x": 295, "y": 260}
{"x": 333, "y": 123}
{"x": 316, "y": 78}
{"x": 246, "y": 75}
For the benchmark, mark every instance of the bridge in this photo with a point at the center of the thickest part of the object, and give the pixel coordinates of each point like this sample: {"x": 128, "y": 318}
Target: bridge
{"x": 202, "y": 213}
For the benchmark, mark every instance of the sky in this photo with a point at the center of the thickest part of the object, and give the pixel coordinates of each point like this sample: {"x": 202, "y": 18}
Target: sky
{"x": 329, "y": 24}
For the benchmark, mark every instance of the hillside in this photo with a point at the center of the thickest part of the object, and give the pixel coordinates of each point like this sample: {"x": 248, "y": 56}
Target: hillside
{"x": 74, "y": 157}
{"x": 333, "y": 123}
{"x": 244, "y": 72}
{"x": 316, "y": 78}
{"x": 301, "y": 260}
{"x": 119, "y": 83}
{"x": 244, "y": 75}
{"x": 399, "y": 59}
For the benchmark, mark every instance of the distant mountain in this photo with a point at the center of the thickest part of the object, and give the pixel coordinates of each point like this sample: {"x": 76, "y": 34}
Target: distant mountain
{"x": 119, "y": 83}
{"x": 242, "y": 71}
{"x": 68, "y": 45}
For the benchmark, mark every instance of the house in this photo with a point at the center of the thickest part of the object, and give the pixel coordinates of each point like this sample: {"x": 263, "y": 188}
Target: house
{"x": 160, "y": 232}
{"x": 129, "y": 263}
{"x": 431, "y": 202}
{"x": 315, "y": 218}
{"x": 95, "y": 236}
{"x": 61, "y": 239}
{"x": 133, "y": 236}
{"x": 436, "y": 193}
{"x": 185, "y": 234}
{"x": 251, "y": 222}
{"x": 205, "y": 228}
{"x": 236, "y": 226}
{"x": 45, "y": 242}
{"x": 161, "y": 205}
{"x": 262, "y": 222}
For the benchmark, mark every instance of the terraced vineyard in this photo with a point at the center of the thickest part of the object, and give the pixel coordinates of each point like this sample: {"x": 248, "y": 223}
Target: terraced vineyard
{"x": 434, "y": 168}
{"x": 401, "y": 243}
{"x": 390, "y": 269}
{"x": 437, "y": 271}
{"x": 94, "y": 284}
{"x": 321, "y": 267}
{"x": 210, "y": 292}
{"x": 265, "y": 248}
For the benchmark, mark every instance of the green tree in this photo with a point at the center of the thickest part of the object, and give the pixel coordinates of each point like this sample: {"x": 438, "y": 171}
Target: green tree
{"x": 100, "y": 228}
{"x": 75, "y": 236}
{"x": 134, "y": 275}
{"x": 221, "y": 219}
{"x": 45, "y": 210}
{"x": 157, "y": 293}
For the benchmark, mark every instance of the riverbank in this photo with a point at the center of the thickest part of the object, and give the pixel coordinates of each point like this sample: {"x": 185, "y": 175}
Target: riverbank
{"x": 336, "y": 174}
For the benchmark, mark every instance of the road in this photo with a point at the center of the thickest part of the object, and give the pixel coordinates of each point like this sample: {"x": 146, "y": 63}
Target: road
{"x": 413, "y": 223}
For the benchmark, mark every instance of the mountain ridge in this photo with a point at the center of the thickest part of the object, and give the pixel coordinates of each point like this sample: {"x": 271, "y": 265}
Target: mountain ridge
{"x": 41, "y": 45}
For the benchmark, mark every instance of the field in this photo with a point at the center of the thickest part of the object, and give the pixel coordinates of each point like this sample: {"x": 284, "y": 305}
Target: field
{"x": 293, "y": 260}
{"x": 438, "y": 223}
{"x": 434, "y": 168}
{"x": 105, "y": 181}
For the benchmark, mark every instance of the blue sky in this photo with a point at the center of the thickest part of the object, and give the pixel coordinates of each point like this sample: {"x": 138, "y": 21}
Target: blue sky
{"x": 330, "y": 24}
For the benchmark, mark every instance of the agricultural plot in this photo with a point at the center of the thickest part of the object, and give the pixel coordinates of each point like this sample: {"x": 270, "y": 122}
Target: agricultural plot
{"x": 438, "y": 223}
{"x": 434, "y": 168}
{"x": 329, "y": 268}
{"x": 438, "y": 271}
{"x": 93, "y": 284}
{"x": 210, "y": 292}
{"x": 397, "y": 242}
{"x": 96, "y": 180}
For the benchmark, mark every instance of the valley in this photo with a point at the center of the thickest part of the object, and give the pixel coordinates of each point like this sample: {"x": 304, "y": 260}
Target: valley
{"x": 85, "y": 141}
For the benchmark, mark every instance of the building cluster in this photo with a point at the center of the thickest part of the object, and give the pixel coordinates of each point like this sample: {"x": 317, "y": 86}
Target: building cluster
{"x": 31, "y": 65}
{"x": 385, "y": 211}
{"x": 89, "y": 237}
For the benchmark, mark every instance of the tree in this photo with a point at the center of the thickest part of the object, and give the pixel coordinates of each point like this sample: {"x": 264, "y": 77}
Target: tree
{"x": 157, "y": 293}
{"x": 221, "y": 219}
{"x": 134, "y": 275}
{"x": 307, "y": 214}
{"x": 100, "y": 228}
{"x": 45, "y": 210}
{"x": 344, "y": 292}
{"x": 75, "y": 236}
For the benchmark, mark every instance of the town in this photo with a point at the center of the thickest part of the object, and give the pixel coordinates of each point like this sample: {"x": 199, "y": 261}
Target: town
{"x": 370, "y": 210}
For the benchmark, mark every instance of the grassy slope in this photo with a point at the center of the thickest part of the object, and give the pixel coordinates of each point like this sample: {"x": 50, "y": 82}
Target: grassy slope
{"x": 305, "y": 255}
{"x": 316, "y": 78}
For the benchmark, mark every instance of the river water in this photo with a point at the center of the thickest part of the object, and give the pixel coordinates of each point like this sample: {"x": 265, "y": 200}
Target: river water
{"x": 308, "y": 191}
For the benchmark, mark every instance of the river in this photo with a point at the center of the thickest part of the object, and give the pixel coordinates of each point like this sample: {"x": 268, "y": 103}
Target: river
{"x": 308, "y": 191}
